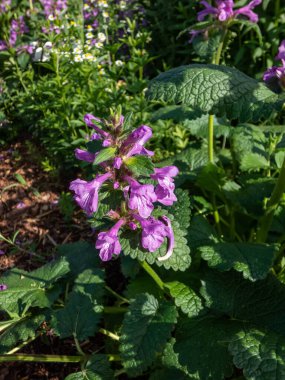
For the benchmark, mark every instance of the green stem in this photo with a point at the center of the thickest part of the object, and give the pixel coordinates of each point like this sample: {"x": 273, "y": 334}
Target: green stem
{"x": 22, "y": 345}
{"x": 115, "y": 309}
{"x": 79, "y": 349}
{"x": 121, "y": 298}
{"x": 41, "y": 358}
{"x": 271, "y": 206}
{"x": 31, "y": 5}
{"x": 109, "y": 334}
{"x": 152, "y": 274}
{"x": 211, "y": 138}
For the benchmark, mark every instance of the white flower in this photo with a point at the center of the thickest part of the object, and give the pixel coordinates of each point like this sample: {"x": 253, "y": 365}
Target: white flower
{"x": 51, "y": 17}
{"x": 77, "y": 50}
{"x": 105, "y": 14}
{"x": 119, "y": 63}
{"x": 89, "y": 27}
{"x": 86, "y": 7}
{"x": 78, "y": 58}
{"x": 38, "y": 54}
{"x": 89, "y": 35}
{"x": 101, "y": 37}
{"x": 99, "y": 45}
{"x": 123, "y": 5}
{"x": 48, "y": 45}
{"x": 88, "y": 57}
{"x": 103, "y": 3}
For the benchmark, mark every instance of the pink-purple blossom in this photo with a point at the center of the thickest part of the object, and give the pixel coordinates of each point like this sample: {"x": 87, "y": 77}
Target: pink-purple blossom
{"x": 224, "y": 10}
{"x": 108, "y": 242}
{"x": 3, "y": 287}
{"x": 141, "y": 198}
{"x": 134, "y": 143}
{"x": 165, "y": 188}
{"x": 277, "y": 73}
{"x": 87, "y": 193}
{"x": 84, "y": 155}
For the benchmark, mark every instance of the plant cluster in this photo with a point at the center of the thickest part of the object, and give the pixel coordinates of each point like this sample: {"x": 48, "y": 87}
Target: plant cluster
{"x": 185, "y": 276}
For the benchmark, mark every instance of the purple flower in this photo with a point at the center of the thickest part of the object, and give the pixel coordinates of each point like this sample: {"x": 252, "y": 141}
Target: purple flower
{"x": 83, "y": 155}
{"x": 86, "y": 193}
{"x": 117, "y": 162}
{"x": 141, "y": 198}
{"x": 108, "y": 242}
{"x": 135, "y": 141}
{"x": 3, "y": 287}
{"x": 153, "y": 233}
{"x": 5, "y": 5}
{"x": 2, "y": 252}
{"x": 224, "y": 10}
{"x": 3, "y": 45}
{"x": 165, "y": 188}
{"x": 88, "y": 119}
{"x": 281, "y": 52}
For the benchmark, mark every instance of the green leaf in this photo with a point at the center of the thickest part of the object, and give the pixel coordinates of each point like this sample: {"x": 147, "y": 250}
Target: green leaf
{"x": 202, "y": 346}
{"x": 179, "y": 260}
{"x": 261, "y": 303}
{"x": 19, "y": 332}
{"x": 279, "y": 159}
{"x": 254, "y": 161}
{"x": 185, "y": 298}
{"x": 205, "y": 48}
{"x": 259, "y": 353}
{"x": 176, "y": 113}
{"x": 201, "y": 233}
{"x": 141, "y": 284}
{"x": 253, "y": 260}
{"x": 94, "y": 146}
{"x": 80, "y": 256}
{"x": 199, "y": 127}
{"x": 139, "y": 165}
{"x": 105, "y": 155}
{"x": 80, "y": 316}
{"x": 127, "y": 127}
{"x": 97, "y": 368}
{"x": 20, "y": 179}
{"x": 170, "y": 374}
{"x": 181, "y": 210}
{"x": 170, "y": 360}
{"x": 217, "y": 90}
{"x": 146, "y": 328}
{"x": 26, "y": 289}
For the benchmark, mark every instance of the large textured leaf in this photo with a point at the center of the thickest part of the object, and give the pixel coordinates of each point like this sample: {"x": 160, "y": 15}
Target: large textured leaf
{"x": 81, "y": 315}
{"x": 97, "y": 368}
{"x": 19, "y": 333}
{"x": 185, "y": 298}
{"x": 202, "y": 346}
{"x": 215, "y": 89}
{"x": 261, "y": 303}
{"x": 176, "y": 113}
{"x": 146, "y": 328}
{"x": 181, "y": 210}
{"x": 26, "y": 289}
{"x": 259, "y": 353}
{"x": 253, "y": 260}
{"x": 179, "y": 260}
{"x": 201, "y": 233}
{"x": 80, "y": 256}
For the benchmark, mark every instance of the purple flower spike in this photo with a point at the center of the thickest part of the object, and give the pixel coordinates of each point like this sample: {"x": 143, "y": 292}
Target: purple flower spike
{"x": 86, "y": 193}
{"x": 83, "y": 155}
{"x": 141, "y": 198}
{"x": 171, "y": 240}
{"x": 247, "y": 10}
{"x": 134, "y": 143}
{"x": 3, "y": 287}
{"x": 108, "y": 242}
{"x": 165, "y": 188}
{"x": 209, "y": 10}
{"x": 88, "y": 121}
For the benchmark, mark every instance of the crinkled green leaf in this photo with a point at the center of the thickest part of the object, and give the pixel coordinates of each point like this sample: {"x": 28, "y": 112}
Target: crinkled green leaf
{"x": 140, "y": 165}
{"x": 141, "y": 284}
{"x": 201, "y": 233}
{"x": 185, "y": 298}
{"x": 181, "y": 210}
{"x": 259, "y": 353}
{"x": 170, "y": 361}
{"x": 80, "y": 256}
{"x": 176, "y": 113}
{"x": 97, "y": 368}
{"x": 199, "y": 127}
{"x": 261, "y": 303}
{"x": 206, "y": 47}
{"x": 20, "y": 332}
{"x": 215, "y": 89}
{"x": 202, "y": 346}
{"x": 170, "y": 374}
{"x": 146, "y": 328}
{"x": 82, "y": 312}
{"x": 179, "y": 260}
{"x": 253, "y": 260}
{"x": 26, "y": 289}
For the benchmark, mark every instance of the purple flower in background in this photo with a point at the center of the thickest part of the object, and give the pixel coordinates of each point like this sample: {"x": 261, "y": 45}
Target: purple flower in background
{"x": 141, "y": 198}
{"x": 165, "y": 188}
{"x": 224, "y": 10}
{"x": 86, "y": 193}
{"x": 117, "y": 162}
{"x": 3, "y": 287}
{"x": 5, "y": 5}
{"x": 83, "y": 155}
{"x": 108, "y": 242}
{"x": 3, "y": 45}
{"x": 2, "y": 252}
{"x": 276, "y": 74}
{"x": 88, "y": 119}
